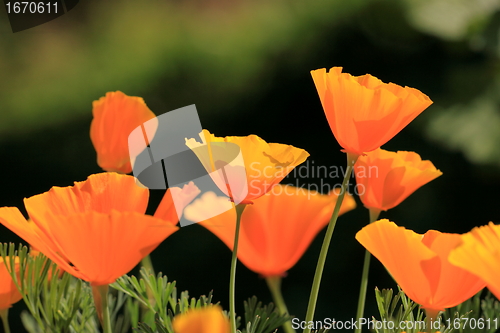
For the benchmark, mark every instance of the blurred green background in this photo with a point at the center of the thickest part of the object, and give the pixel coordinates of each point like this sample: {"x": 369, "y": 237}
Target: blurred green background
{"x": 246, "y": 64}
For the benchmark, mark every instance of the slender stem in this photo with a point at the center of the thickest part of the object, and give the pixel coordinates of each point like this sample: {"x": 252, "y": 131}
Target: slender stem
{"x": 430, "y": 316}
{"x": 101, "y": 303}
{"x": 232, "y": 278}
{"x": 313, "y": 298}
{"x": 374, "y": 214}
{"x": 4, "y": 314}
{"x": 148, "y": 264}
{"x": 274, "y": 284}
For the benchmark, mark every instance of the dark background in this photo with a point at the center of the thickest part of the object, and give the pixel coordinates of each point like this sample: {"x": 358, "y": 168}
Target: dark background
{"x": 246, "y": 64}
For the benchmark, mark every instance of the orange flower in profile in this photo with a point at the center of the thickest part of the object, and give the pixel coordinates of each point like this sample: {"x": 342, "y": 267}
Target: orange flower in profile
{"x": 479, "y": 255}
{"x": 210, "y": 319}
{"x": 251, "y": 174}
{"x": 363, "y": 112}
{"x": 115, "y": 116}
{"x": 95, "y": 230}
{"x": 276, "y": 230}
{"x": 386, "y": 178}
{"x": 419, "y": 264}
{"x": 8, "y": 291}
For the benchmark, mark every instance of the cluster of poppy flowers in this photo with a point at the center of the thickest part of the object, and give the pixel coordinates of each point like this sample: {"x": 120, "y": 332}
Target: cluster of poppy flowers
{"x": 436, "y": 270}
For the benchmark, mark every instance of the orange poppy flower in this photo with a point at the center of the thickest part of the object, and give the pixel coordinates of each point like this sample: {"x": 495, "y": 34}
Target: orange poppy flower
{"x": 419, "y": 264}
{"x": 95, "y": 230}
{"x": 276, "y": 230}
{"x": 479, "y": 255}
{"x": 8, "y": 291}
{"x": 115, "y": 116}
{"x": 249, "y": 176}
{"x": 204, "y": 320}
{"x": 384, "y": 178}
{"x": 363, "y": 112}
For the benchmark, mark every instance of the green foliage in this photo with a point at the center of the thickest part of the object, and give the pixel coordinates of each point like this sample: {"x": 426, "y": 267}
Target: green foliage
{"x": 391, "y": 311}
{"x": 158, "y": 299}
{"x": 56, "y": 304}
{"x": 258, "y": 318}
{"x": 160, "y": 328}
{"x": 474, "y": 315}
{"x": 262, "y": 319}
{"x": 153, "y": 293}
{"x": 60, "y": 303}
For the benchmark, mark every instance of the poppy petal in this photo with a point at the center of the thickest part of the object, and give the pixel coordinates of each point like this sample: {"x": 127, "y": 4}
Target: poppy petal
{"x": 116, "y": 115}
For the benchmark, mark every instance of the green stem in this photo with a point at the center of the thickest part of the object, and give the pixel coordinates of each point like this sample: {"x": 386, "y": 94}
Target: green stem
{"x": 313, "y": 298}
{"x": 430, "y": 316}
{"x": 232, "y": 278}
{"x": 374, "y": 214}
{"x": 101, "y": 302}
{"x": 148, "y": 265}
{"x": 274, "y": 284}
{"x": 4, "y": 314}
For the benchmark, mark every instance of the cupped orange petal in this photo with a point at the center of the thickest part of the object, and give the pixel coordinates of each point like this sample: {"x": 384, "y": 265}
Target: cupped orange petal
{"x": 101, "y": 193}
{"x": 278, "y": 228}
{"x": 363, "y": 112}
{"x": 451, "y": 285}
{"x": 387, "y": 178}
{"x": 205, "y": 320}
{"x": 263, "y": 164}
{"x": 419, "y": 264}
{"x": 116, "y": 115}
{"x": 479, "y": 254}
{"x": 103, "y": 247}
{"x": 8, "y": 291}
{"x": 12, "y": 218}
{"x": 95, "y": 230}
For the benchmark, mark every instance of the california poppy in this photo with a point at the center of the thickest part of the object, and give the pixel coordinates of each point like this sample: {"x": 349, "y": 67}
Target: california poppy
{"x": 276, "y": 230}
{"x": 210, "y": 319}
{"x": 262, "y": 165}
{"x": 384, "y": 178}
{"x": 115, "y": 116}
{"x": 479, "y": 255}
{"x": 363, "y": 112}
{"x": 8, "y": 291}
{"x": 419, "y": 264}
{"x": 95, "y": 230}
